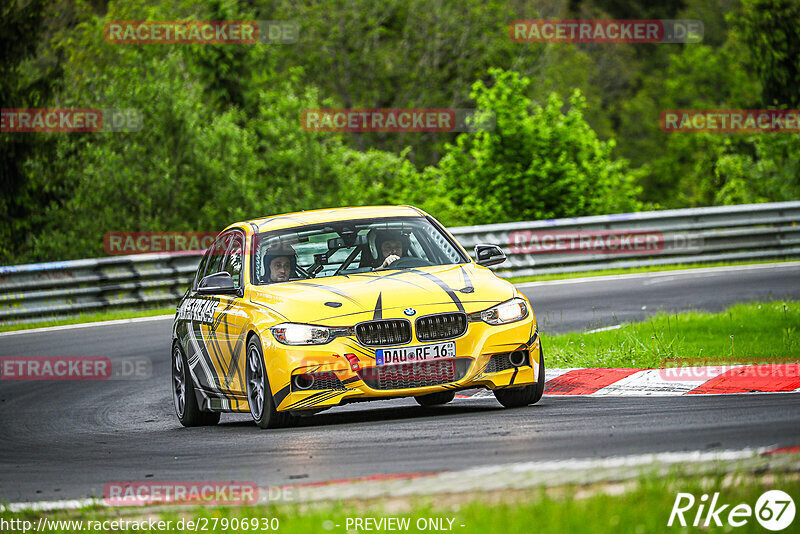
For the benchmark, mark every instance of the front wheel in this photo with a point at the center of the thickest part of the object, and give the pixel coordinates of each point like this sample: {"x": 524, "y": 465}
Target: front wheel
{"x": 183, "y": 394}
{"x": 259, "y": 394}
{"x": 516, "y": 397}
{"x": 435, "y": 399}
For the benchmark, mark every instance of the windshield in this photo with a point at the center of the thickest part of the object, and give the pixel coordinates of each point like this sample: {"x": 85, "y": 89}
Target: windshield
{"x": 348, "y": 247}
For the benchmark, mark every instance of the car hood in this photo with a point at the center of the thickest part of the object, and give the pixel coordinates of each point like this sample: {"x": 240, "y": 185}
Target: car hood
{"x": 347, "y": 300}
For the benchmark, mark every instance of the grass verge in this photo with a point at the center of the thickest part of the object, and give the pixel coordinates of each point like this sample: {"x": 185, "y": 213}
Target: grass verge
{"x": 639, "y": 506}
{"x": 742, "y": 333}
{"x": 649, "y": 269}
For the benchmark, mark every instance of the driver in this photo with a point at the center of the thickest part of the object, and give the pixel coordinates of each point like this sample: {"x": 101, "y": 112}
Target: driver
{"x": 279, "y": 263}
{"x": 390, "y": 248}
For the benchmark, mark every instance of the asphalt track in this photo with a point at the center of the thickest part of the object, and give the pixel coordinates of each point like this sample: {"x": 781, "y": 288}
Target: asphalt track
{"x": 61, "y": 440}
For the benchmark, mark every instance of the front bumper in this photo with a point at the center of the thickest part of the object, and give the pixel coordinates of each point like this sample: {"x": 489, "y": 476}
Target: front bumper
{"x": 474, "y": 350}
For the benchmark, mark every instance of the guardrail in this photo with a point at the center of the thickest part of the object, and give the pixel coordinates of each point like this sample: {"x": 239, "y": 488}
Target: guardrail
{"x": 33, "y": 292}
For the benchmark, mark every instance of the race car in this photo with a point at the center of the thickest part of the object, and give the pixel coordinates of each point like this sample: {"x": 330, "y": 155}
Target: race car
{"x": 290, "y": 315}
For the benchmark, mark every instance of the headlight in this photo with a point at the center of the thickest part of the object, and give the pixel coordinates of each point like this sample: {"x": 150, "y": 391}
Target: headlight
{"x": 306, "y": 334}
{"x": 506, "y": 312}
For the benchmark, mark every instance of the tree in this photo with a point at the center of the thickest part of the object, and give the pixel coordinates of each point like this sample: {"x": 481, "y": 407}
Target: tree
{"x": 540, "y": 161}
{"x": 771, "y": 31}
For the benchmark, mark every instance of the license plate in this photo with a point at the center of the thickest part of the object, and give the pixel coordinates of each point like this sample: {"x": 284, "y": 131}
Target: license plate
{"x": 419, "y": 353}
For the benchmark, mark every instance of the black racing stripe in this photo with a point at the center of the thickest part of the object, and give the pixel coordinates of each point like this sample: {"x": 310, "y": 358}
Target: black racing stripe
{"x": 236, "y": 351}
{"x": 392, "y": 275}
{"x": 218, "y": 353}
{"x": 278, "y": 217}
{"x": 361, "y": 351}
{"x": 441, "y": 283}
{"x": 280, "y": 395}
{"x": 316, "y": 398}
{"x": 331, "y": 395}
{"x": 514, "y": 376}
{"x": 198, "y": 334}
{"x": 529, "y": 342}
{"x": 378, "y": 313}
{"x": 351, "y": 380}
{"x": 331, "y": 289}
{"x": 468, "y": 287}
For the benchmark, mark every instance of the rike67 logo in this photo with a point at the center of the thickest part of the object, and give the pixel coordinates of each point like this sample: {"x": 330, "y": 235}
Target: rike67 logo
{"x": 774, "y": 510}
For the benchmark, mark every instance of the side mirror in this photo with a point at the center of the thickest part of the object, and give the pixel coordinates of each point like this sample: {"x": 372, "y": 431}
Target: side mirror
{"x": 217, "y": 284}
{"x": 489, "y": 255}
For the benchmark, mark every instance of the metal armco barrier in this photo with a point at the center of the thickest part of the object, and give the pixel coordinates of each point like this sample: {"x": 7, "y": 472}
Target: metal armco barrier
{"x": 728, "y": 233}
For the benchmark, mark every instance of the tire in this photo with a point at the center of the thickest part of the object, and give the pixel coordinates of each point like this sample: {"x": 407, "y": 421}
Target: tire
{"x": 517, "y": 397}
{"x": 435, "y": 399}
{"x": 184, "y": 397}
{"x": 259, "y": 394}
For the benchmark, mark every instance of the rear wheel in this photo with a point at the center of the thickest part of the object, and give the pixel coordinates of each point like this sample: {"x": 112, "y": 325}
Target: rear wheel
{"x": 184, "y": 396}
{"x": 259, "y": 394}
{"x": 435, "y": 399}
{"x": 516, "y": 397}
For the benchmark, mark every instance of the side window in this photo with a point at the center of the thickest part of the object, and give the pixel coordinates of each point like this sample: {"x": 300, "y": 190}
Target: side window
{"x": 217, "y": 256}
{"x": 201, "y": 268}
{"x": 233, "y": 260}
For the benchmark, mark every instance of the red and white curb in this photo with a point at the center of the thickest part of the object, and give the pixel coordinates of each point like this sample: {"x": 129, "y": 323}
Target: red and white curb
{"x": 708, "y": 380}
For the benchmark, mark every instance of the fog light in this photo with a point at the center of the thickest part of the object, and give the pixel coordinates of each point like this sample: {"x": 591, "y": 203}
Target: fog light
{"x": 303, "y": 381}
{"x": 517, "y": 358}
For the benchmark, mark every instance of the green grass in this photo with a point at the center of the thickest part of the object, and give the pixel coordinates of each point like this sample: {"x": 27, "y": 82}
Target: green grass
{"x": 742, "y": 333}
{"x": 642, "y": 506}
{"x": 91, "y": 318}
{"x": 649, "y": 269}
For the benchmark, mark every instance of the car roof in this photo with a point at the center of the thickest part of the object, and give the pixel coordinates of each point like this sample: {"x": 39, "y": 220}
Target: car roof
{"x": 302, "y": 218}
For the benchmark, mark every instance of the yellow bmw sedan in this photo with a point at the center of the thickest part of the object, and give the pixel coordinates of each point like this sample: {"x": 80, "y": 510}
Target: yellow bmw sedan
{"x": 293, "y": 314}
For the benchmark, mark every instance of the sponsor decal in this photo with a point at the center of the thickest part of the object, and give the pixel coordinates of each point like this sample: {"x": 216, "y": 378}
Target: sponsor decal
{"x": 605, "y": 31}
{"x": 201, "y": 31}
{"x": 197, "y": 310}
{"x": 730, "y": 121}
{"x": 66, "y": 120}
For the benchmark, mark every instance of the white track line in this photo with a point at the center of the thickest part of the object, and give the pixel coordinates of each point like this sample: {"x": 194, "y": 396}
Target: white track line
{"x": 87, "y": 325}
{"x": 677, "y": 272}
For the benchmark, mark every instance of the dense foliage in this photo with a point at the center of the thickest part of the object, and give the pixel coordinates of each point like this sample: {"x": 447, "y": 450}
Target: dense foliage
{"x": 576, "y": 124}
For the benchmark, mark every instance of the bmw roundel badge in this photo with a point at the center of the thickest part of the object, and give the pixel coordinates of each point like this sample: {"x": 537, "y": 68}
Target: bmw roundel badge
{"x": 409, "y": 311}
